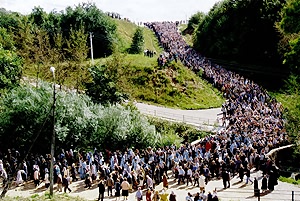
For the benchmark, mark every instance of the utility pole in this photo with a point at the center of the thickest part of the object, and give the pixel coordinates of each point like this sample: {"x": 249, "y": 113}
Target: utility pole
{"x": 52, "y": 69}
{"x": 91, "y": 43}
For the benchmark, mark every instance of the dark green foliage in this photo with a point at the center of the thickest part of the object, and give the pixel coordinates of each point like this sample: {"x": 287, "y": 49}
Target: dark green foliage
{"x": 241, "y": 31}
{"x": 290, "y": 44}
{"x": 103, "y": 88}
{"x": 9, "y": 20}
{"x": 290, "y": 17}
{"x": 137, "y": 45}
{"x": 10, "y": 69}
{"x": 95, "y": 21}
{"x": 6, "y": 40}
{"x": 85, "y": 15}
{"x": 193, "y": 23}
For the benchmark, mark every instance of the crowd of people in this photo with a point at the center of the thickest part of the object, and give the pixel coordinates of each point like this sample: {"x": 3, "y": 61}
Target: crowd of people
{"x": 253, "y": 125}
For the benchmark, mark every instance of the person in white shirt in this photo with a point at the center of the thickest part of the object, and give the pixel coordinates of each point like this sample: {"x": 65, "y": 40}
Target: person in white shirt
{"x": 181, "y": 174}
{"x": 189, "y": 177}
{"x": 19, "y": 179}
{"x": 46, "y": 179}
{"x": 189, "y": 197}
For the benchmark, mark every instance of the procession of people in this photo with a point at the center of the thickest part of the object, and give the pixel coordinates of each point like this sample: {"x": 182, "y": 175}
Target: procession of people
{"x": 253, "y": 125}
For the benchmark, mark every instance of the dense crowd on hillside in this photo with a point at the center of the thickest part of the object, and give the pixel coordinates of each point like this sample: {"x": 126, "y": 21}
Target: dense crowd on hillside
{"x": 253, "y": 125}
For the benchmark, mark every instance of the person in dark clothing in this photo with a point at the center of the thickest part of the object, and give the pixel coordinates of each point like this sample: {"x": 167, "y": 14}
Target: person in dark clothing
{"x": 248, "y": 172}
{"x": 226, "y": 178}
{"x": 256, "y": 189}
{"x": 73, "y": 172}
{"x": 271, "y": 181}
{"x": 101, "y": 187}
{"x": 241, "y": 172}
{"x": 264, "y": 184}
{"x": 66, "y": 182}
{"x": 209, "y": 196}
{"x": 117, "y": 188}
{"x": 197, "y": 197}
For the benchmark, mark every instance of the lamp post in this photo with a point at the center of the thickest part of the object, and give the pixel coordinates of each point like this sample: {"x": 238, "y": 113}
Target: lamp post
{"x": 52, "y": 70}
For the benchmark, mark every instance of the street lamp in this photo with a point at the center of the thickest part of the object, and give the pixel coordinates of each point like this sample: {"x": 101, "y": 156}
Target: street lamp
{"x": 52, "y": 70}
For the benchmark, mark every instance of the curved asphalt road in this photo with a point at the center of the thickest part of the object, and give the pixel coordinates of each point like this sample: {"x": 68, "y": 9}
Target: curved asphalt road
{"x": 204, "y": 119}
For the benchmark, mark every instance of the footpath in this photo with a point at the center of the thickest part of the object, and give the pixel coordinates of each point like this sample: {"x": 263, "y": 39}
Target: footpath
{"x": 239, "y": 191}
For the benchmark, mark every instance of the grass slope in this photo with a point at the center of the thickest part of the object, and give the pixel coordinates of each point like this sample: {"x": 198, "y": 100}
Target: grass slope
{"x": 187, "y": 37}
{"x": 126, "y": 31}
{"x": 174, "y": 85}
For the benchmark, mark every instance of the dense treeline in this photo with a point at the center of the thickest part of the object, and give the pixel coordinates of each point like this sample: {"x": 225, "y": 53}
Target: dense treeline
{"x": 42, "y": 39}
{"x": 241, "y": 31}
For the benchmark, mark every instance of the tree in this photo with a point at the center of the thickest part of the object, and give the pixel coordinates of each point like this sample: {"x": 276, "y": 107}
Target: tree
{"x": 6, "y": 40}
{"x": 103, "y": 89}
{"x": 10, "y": 69}
{"x": 9, "y": 20}
{"x": 241, "y": 31}
{"x": 57, "y": 57}
{"x": 290, "y": 17}
{"x": 93, "y": 20}
{"x": 290, "y": 27}
{"x": 194, "y": 21}
{"x": 76, "y": 51}
{"x": 105, "y": 85}
{"x": 137, "y": 45}
{"x": 24, "y": 40}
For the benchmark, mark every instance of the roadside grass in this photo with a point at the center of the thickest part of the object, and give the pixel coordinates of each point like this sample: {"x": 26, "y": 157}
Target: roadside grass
{"x": 45, "y": 197}
{"x": 289, "y": 180}
{"x": 176, "y": 132}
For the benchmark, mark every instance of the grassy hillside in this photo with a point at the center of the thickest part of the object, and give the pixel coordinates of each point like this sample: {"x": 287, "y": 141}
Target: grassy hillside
{"x": 126, "y": 30}
{"x": 187, "y": 37}
{"x": 142, "y": 79}
{"x": 173, "y": 86}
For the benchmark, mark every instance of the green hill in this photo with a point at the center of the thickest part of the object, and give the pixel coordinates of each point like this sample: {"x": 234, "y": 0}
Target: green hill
{"x": 143, "y": 80}
{"x": 126, "y": 30}
{"x": 173, "y": 85}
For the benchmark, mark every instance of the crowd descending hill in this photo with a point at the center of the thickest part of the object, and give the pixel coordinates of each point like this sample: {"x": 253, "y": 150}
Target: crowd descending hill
{"x": 253, "y": 125}
{"x": 253, "y": 117}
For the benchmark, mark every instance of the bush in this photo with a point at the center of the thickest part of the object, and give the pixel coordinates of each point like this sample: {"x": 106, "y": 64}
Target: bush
{"x": 25, "y": 114}
{"x": 289, "y": 180}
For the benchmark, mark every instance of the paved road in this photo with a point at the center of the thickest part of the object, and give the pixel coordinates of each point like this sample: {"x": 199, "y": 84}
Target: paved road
{"x": 238, "y": 191}
{"x": 207, "y": 119}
